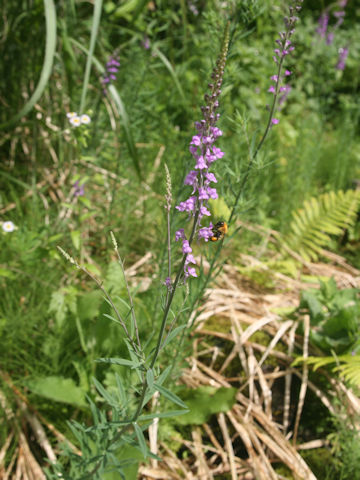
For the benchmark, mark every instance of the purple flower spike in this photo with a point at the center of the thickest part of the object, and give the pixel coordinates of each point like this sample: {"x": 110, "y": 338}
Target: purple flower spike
{"x": 204, "y": 152}
{"x": 324, "y": 19}
{"x": 285, "y": 45}
{"x": 111, "y": 69}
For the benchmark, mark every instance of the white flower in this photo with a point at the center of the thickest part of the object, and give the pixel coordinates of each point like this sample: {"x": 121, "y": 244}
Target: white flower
{"x": 71, "y": 114}
{"x": 8, "y": 226}
{"x": 75, "y": 121}
{"x": 85, "y": 119}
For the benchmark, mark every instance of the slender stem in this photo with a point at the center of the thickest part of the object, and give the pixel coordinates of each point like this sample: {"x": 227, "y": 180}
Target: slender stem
{"x": 130, "y": 300}
{"x": 168, "y": 250}
{"x": 262, "y": 140}
{"x": 94, "y": 30}
{"x": 113, "y": 306}
{"x": 172, "y": 294}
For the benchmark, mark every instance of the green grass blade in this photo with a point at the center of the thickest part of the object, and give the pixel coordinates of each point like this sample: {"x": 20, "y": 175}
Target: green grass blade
{"x": 172, "y": 72}
{"x": 50, "y": 45}
{"x": 94, "y": 30}
{"x": 126, "y": 124}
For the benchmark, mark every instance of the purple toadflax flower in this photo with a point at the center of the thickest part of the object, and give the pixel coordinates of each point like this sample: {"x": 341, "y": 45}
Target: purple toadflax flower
{"x": 284, "y": 48}
{"x": 323, "y": 24}
{"x": 343, "y": 53}
{"x": 79, "y": 190}
{"x": 205, "y": 153}
{"x": 146, "y": 42}
{"x": 111, "y": 69}
{"x": 325, "y": 18}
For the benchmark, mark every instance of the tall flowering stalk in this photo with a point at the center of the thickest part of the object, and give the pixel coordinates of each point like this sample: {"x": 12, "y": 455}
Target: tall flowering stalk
{"x": 338, "y": 12}
{"x": 205, "y": 153}
{"x": 111, "y": 69}
{"x": 323, "y": 22}
{"x": 284, "y": 48}
{"x": 279, "y": 89}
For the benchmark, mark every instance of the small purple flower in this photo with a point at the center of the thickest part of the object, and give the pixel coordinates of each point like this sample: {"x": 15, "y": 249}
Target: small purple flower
{"x": 323, "y": 24}
{"x": 192, "y": 179}
{"x": 193, "y": 8}
{"x": 330, "y": 38}
{"x": 212, "y": 193}
{"x": 186, "y": 247}
{"x": 190, "y": 259}
{"x": 210, "y": 177}
{"x": 201, "y": 164}
{"x": 179, "y": 234}
{"x": 343, "y": 54}
{"x": 206, "y": 232}
{"x": 204, "y": 212}
{"x": 286, "y": 89}
{"x": 187, "y": 206}
{"x": 78, "y": 189}
{"x": 111, "y": 69}
{"x": 146, "y": 42}
{"x": 189, "y": 271}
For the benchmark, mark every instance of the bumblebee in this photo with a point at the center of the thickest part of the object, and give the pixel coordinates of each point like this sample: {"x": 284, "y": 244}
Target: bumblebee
{"x": 219, "y": 231}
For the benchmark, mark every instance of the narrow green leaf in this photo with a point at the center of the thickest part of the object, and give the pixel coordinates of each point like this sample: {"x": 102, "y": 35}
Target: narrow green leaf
{"x": 170, "y": 413}
{"x": 110, "y": 317}
{"x": 50, "y": 45}
{"x": 141, "y": 439}
{"x": 76, "y": 238}
{"x": 163, "y": 376}
{"x": 119, "y": 361}
{"x": 172, "y": 72}
{"x": 106, "y": 395}
{"x": 126, "y": 124}
{"x": 173, "y": 334}
{"x": 94, "y": 29}
{"x": 170, "y": 396}
{"x": 150, "y": 378}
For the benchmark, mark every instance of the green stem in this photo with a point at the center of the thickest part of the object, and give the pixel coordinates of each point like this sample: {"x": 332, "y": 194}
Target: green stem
{"x": 261, "y": 142}
{"x": 94, "y": 30}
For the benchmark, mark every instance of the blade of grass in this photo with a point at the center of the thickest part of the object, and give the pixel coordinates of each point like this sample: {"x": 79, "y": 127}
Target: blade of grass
{"x": 172, "y": 72}
{"x": 50, "y": 45}
{"x": 94, "y": 30}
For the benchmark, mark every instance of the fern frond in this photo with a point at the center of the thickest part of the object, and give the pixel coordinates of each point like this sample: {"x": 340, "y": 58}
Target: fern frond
{"x": 312, "y": 225}
{"x": 316, "y": 362}
{"x": 350, "y": 369}
{"x": 349, "y": 366}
